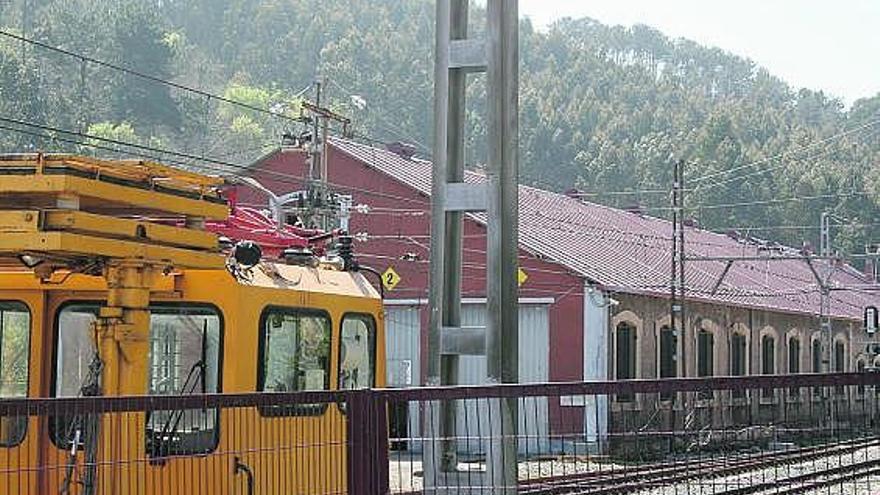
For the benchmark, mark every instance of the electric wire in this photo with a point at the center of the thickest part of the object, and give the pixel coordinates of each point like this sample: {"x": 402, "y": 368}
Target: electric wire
{"x": 785, "y": 153}
{"x": 149, "y": 77}
{"x": 342, "y": 88}
{"x": 86, "y": 136}
{"x": 789, "y": 227}
{"x": 774, "y": 201}
{"x": 703, "y": 188}
{"x": 588, "y": 194}
{"x": 300, "y": 181}
{"x": 658, "y": 287}
{"x": 751, "y": 265}
{"x": 228, "y": 166}
{"x": 86, "y": 58}
{"x": 741, "y": 292}
{"x": 90, "y": 145}
{"x": 136, "y": 73}
{"x": 393, "y": 130}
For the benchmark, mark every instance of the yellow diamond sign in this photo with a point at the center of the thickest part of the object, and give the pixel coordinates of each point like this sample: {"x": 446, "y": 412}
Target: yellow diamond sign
{"x": 390, "y": 278}
{"x": 521, "y": 277}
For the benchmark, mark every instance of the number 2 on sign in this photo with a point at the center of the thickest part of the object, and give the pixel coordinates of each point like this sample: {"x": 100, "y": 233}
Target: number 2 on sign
{"x": 390, "y": 278}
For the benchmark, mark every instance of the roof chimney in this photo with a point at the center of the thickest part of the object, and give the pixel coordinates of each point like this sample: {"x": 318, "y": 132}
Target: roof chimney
{"x": 635, "y": 208}
{"x": 289, "y": 141}
{"x": 403, "y": 150}
{"x": 807, "y": 248}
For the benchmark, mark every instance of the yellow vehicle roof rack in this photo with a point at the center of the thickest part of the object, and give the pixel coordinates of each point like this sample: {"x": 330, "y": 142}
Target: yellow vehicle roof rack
{"x": 72, "y": 208}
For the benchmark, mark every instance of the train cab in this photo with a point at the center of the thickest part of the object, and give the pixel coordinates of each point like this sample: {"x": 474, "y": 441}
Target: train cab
{"x": 101, "y": 304}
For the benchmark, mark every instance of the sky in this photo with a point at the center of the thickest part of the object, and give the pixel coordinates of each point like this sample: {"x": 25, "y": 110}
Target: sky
{"x": 826, "y": 45}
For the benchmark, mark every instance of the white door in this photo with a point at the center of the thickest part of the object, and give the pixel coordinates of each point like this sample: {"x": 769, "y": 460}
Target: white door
{"x": 473, "y": 419}
{"x": 403, "y": 351}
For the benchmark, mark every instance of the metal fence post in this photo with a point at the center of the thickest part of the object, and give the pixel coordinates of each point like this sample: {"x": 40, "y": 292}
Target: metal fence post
{"x": 367, "y": 428}
{"x": 379, "y": 444}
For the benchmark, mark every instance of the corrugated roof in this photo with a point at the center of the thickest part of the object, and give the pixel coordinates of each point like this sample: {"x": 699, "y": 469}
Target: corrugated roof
{"x": 630, "y": 253}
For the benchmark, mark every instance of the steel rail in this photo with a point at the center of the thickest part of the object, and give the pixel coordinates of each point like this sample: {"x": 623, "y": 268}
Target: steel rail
{"x": 636, "y": 478}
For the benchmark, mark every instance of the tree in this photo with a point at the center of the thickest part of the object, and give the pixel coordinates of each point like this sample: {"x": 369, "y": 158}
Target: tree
{"x": 602, "y": 108}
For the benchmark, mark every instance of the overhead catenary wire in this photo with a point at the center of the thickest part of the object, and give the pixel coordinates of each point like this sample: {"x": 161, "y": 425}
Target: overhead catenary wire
{"x": 150, "y": 77}
{"x": 207, "y": 94}
{"x": 270, "y": 112}
{"x": 789, "y": 227}
{"x": 392, "y": 130}
{"x": 297, "y": 180}
{"x": 660, "y": 287}
{"x": 635, "y": 192}
{"x": 83, "y": 143}
{"x": 217, "y": 97}
{"x": 753, "y": 265}
{"x": 586, "y": 229}
{"x": 698, "y": 207}
{"x": 566, "y": 226}
{"x": 737, "y": 293}
{"x": 776, "y": 201}
{"x": 227, "y": 166}
{"x": 725, "y": 181}
{"x": 785, "y": 153}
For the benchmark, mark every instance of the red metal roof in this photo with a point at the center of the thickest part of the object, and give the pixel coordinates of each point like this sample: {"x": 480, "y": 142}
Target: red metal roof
{"x": 630, "y": 253}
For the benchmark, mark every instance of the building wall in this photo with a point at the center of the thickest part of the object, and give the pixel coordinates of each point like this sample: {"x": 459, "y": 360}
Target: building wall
{"x": 648, "y": 315}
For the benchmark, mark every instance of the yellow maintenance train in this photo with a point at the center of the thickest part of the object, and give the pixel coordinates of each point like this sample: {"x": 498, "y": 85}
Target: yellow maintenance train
{"x": 111, "y": 285}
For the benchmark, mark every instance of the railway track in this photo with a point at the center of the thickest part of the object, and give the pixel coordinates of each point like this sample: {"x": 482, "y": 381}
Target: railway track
{"x": 629, "y": 480}
{"x": 808, "y": 482}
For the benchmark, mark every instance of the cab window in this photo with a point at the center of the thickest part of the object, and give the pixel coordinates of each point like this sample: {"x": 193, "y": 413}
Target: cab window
{"x": 77, "y": 370}
{"x": 183, "y": 358}
{"x": 294, "y": 356}
{"x": 357, "y": 352}
{"x": 15, "y": 329}
{"x": 75, "y": 351}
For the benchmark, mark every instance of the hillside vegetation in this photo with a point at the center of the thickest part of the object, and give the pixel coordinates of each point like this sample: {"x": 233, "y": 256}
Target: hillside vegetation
{"x": 603, "y": 108}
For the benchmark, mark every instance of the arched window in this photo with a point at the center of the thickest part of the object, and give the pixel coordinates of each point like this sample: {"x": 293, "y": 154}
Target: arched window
{"x": 625, "y": 355}
{"x": 705, "y": 353}
{"x": 768, "y": 360}
{"x": 794, "y": 360}
{"x": 794, "y": 354}
{"x": 668, "y": 356}
{"x": 768, "y": 355}
{"x": 625, "y": 342}
{"x": 816, "y": 354}
{"x": 705, "y": 357}
{"x": 668, "y": 353}
{"x": 839, "y": 356}
{"x": 839, "y": 362}
{"x": 738, "y": 353}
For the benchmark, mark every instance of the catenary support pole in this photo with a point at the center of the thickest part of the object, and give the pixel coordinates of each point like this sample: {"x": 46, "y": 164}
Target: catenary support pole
{"x": 502, "y": 331}
{"x": 456, "y": 55}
